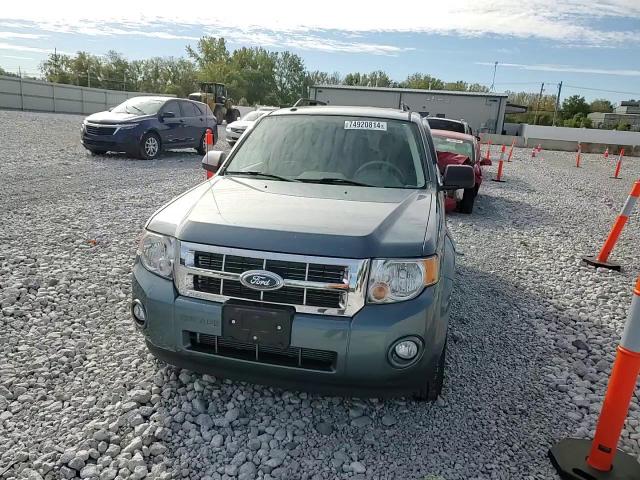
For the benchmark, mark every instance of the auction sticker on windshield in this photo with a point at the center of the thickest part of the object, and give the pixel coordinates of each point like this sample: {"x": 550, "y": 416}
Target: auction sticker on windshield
{"x": 365, "y": 125}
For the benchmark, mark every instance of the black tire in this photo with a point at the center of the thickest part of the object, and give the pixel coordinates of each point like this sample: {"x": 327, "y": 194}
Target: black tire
{"x": 433, "y": 386}
{"x": 98, "y": 152}
{"x": 202, "y": 146}
{"x": 468, "y": 199}
{"x": 146, "y": 150}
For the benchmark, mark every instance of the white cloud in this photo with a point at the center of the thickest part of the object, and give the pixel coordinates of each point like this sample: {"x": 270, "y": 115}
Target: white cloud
{"x": 16, "y": 57}
{"x": 23, "y": 48}
{"x": 567, "y": 21}
{"x": 566, "y": 68}
{"x": 20, "y": 35}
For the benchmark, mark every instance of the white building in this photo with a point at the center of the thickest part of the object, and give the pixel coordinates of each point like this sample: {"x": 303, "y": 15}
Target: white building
{"x": 483, "y": 111}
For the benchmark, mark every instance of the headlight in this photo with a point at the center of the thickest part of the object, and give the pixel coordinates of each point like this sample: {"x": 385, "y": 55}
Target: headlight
{"x": 157, "y": 252}
{"x": 127, "y": 126}
{"x": 228, "y": 129}
{"x": 395, "y": 280}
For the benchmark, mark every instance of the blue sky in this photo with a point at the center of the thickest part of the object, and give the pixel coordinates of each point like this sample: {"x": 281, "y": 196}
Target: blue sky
{"x": 589, "y": 45}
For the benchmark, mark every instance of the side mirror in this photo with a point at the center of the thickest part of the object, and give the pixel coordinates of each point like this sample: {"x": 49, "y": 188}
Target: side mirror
{"x": 486, "y": 162}
{"x": 164, "y": 115}
{"x": 212, "y": 161}
{"x": 458, "y": 176}
{"x": 110, "y": 108}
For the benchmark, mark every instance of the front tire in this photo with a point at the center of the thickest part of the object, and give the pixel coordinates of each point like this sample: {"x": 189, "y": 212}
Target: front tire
{"x": 468, "y": 199}
{"x": 150, "y": 146}
{"x": 202, "y": 146}
{"x": 433, "y": 385}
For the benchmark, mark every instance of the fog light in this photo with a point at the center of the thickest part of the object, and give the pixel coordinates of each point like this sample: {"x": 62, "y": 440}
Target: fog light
{"x": 406, "y": 350}
{"x": 138, "y": 312}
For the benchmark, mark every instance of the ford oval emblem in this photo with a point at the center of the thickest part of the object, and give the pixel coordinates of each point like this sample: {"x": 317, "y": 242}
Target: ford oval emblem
{"x": 261, "y": 280}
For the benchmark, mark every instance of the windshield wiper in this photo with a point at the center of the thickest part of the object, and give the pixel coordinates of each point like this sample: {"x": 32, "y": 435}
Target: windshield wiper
{"x": 335, "y": 181}
{"x": 255, "y": 173}
{"x": 141, "y": 111}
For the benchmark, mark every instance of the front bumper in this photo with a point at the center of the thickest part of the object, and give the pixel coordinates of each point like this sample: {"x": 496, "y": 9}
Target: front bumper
{"x": 360, "y": 343}
{"x": 123, "y": 141}
{"x": 233, "y": 136}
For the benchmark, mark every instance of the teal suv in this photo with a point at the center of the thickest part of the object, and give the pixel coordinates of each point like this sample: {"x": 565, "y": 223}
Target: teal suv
{"x": 316, "y": 257}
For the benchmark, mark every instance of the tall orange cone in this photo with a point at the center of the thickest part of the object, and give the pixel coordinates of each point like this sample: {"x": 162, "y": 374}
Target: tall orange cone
{"x": 500, "y": 166}
{"x": 513, "y": 142}
{"x": 602, "y": 260}
{"x": 616, "y": 174}
{"x": 606, "y": 153}
{"x": 585, "y": 460}
{"x": 488, "y": 155}
{"x": 578, "y": 156}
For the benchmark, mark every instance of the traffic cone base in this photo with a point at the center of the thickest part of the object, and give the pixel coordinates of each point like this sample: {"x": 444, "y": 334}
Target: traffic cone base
{"x": 594, "y": 262}
{"x": 496, "y": 180}
{"x": 569, "y": 459}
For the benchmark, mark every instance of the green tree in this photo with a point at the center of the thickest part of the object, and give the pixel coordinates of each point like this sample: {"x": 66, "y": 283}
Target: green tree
{"x": 57, "y": 68}
{"x": 601, "y": 105}
{"x": 573, "y": 105}
{"x": 7, "y": 74}
{"x": 212, "y": 58}
{"x": 322, "y": 78}
{"x": 422, "y": 81}
{"x": 289, "y": 78}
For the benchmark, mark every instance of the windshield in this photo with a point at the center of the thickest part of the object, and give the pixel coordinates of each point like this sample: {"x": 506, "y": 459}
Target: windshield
{"x": 141, "y": 106}
{"x": 253, "y": 116}
{"x": 334, "y": 149}
{"x": 453, "y": 145}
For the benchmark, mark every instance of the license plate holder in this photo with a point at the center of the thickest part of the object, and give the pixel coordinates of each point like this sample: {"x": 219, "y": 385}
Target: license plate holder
{"x": 259, "y": 325}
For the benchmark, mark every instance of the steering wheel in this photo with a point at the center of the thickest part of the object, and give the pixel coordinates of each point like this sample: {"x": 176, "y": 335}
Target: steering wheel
{"x": 390, "y": 166}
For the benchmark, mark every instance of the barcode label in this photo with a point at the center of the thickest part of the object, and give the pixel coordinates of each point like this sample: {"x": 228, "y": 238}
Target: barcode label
{"x": 365, "y": 125}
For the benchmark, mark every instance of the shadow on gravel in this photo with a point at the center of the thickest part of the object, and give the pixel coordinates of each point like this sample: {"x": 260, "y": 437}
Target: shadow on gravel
{"x": 498, "y": 212}
{"x": 497, "y": 418}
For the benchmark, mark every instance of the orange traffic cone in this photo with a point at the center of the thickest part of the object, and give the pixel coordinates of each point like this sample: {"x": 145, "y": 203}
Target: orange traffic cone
{"x": 602, "y": 259}
{"x": 616, "y": 174}
{"x": 513, "y": 142}
{"x": 584, "y": 460}
{"x": 500, "y": 166}
{"x": 606, "y": 153}
{"x": 578, "y": 156}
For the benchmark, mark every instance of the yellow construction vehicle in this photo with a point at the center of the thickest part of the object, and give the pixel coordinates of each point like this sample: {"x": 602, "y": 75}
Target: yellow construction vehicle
{"x": 215, "y": 95}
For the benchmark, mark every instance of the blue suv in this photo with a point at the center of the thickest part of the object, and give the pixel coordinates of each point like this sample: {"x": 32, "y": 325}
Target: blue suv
{"x": 145, "y": 126}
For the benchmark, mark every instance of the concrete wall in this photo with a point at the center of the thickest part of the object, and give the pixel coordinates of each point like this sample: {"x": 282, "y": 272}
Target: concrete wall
{"x": 564, "y": 141}
{"x": 37, "y": 95}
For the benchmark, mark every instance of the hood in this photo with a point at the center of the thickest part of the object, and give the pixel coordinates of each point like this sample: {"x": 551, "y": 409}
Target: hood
{"x": 243, "y": 124}
{"x": 112, "y": 117}
{"x": 448, "y": 158}
{"x": 300, "y": 218}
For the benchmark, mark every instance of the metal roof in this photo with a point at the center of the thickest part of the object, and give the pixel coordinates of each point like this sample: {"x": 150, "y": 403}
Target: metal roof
{"x": 412, "y": 90}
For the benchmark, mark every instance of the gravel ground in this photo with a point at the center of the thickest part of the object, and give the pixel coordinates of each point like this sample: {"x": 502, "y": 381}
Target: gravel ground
{"x": 533, "y": 334}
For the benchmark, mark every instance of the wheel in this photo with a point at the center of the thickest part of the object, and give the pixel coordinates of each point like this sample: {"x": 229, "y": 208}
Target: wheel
{"x": 98, "y": 152}
{"x": 433, "y": 386}
{"x": 150, "y": 146}
{"x": 468, "y": 199}
{"x": 202, "y": 146}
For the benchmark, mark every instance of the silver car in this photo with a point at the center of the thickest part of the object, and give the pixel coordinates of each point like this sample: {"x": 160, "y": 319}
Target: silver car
{"x": 235, "y": 129}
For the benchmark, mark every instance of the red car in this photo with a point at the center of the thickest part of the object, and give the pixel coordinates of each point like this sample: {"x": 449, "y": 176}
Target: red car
{"x": 455, "y": 148}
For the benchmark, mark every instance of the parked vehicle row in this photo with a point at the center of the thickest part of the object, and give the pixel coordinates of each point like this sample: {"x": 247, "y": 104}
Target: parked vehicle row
{"x": 318, "y": 257}
{"x": 235, "y": 129}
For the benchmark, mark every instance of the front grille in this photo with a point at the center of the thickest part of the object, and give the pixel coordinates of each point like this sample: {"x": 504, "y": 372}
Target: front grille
{"x": 286, "y": 269}
{"x": 298, "y": 357}
{"x": 311, "y": 284}
{"x": 99, "y": 130}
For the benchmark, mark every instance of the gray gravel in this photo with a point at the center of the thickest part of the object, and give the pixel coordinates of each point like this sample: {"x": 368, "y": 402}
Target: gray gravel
{"x": 533, "y": 334}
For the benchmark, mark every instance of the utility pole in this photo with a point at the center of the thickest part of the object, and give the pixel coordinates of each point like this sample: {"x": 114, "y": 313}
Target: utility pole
{"x": 555, "y": 112}
{"x": 88, "y": 78}
{"x": 493, "y": 81}
{"x": 535, "y": 118}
